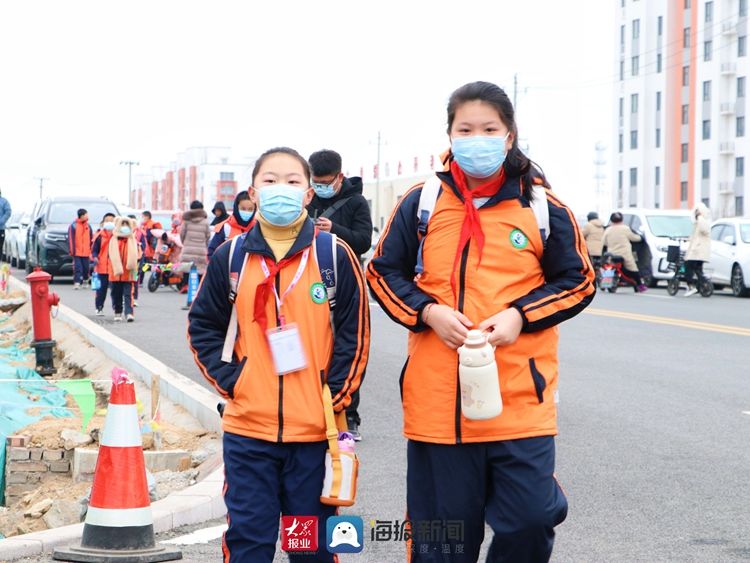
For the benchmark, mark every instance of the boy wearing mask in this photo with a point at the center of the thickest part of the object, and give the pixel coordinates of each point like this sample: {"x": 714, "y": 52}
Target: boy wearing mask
{"x": 79, "y": 241}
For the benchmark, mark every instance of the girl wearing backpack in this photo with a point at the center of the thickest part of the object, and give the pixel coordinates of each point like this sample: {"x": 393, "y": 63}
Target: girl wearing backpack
{"x": 263, "y": 286}
{"x": 482, "y": 254}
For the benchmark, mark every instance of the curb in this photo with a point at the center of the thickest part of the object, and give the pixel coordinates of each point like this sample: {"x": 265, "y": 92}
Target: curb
{"x": 193, "y": 505}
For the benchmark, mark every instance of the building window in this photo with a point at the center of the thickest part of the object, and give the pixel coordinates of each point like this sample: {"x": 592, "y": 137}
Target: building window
{"x": 741, "y": 87}
{"x": 707, "y": 48}
{"x": 743, "y": 8}
{"x": 622, "y": 70}
{"x": 683, "y": 191}
{"x": 658, "y": 62}
{"x": 685, "y": 114}
{"x": 622, "y": 110}
{"x": 687, "y": 4}
{"x": 658, "y": 137}
{"x": 686, "y": 37}
{"x": 705, "y": 169}
{"x": 622, "y": 39}
{"x": 657, "y": 175}
{"x": 226, "y": 176}
{"x": 684, "y": 152}
{"x": 686, "y": 76}
{"x": 706, "y": 90}
{"x": 620, "y": 142}
{"x": 636, "y": 29}
{"x": 739, "y": 206}
{"x": 634, "y": 65}
{"x": 740, "y": 126}
{"x": 658, "y": 101}
{"x": 706, "y": 129}
{"x": 709, "y": 12}
{"x": 633, "y": 103}
{"x": 742, "y": 45}
{"x": 739, "y": 166}
{"x": 634, "y": 139}
{"x": 633, "y": 177}
{"x": 619, "y": 188}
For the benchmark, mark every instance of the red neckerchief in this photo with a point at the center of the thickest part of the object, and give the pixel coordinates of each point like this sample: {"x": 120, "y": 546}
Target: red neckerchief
{"x": 472, "y": 227}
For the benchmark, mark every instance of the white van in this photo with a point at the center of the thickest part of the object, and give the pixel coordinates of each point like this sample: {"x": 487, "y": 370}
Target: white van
{"x": 657, "y": 226}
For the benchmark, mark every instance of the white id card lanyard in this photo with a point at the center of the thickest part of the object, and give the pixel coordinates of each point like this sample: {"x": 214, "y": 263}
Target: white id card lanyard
{"x": 284, "y": 341}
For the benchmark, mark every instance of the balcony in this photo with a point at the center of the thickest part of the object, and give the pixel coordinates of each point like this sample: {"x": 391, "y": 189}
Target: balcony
{"x": 725, "y": 188}
{"x": 729, "y": 27}
{"x": 728, "y": 69}
{"x": 726, "y": 148}
{"x": 726, "y": 108}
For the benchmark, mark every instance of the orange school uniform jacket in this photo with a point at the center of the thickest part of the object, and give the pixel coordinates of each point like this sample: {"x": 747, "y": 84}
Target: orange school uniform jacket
{"x": 100, "y": 251}
{"x": 122, "y": 248}
{"x": 547, "y": 286}
{"x": 262, "y": 404}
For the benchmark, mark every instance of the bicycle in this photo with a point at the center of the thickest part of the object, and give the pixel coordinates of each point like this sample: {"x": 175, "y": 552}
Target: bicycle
{"x": 676, "y": 264}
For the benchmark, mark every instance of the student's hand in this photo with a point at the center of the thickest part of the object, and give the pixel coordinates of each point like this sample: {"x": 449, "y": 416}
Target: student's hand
{"x": 450, "y": 325}
{"x": 323, "y": 224}
{"x": 503, "y": 327}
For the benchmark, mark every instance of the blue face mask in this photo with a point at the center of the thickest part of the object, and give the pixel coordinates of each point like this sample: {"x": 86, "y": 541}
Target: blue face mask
{"x": 280, "y": 204}
{"x": 324, "y": 191}
{"x": 479, "y": 156}
{"x": 245, "y": 215}
{"x": 125, "y": 231}
{"x": 108, "y": 226}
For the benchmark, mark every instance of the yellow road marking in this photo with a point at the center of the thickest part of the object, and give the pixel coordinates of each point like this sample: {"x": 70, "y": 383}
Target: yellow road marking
{"x": 682, "y": 323}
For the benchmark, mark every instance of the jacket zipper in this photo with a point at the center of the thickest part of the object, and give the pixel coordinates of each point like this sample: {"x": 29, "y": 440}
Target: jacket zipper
{"x": 279, "y": 437}
{"x": 461, "y": 295}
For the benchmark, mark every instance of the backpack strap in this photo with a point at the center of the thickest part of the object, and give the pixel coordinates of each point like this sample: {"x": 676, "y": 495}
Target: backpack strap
{"x": 540, "y": 208}
{"x": 324, "y": 245}
{"x": 427, "y": 200}
{"x": 328, "y": 213}
{"x": 237, "y": 263}
{"x": 227, "y": 229}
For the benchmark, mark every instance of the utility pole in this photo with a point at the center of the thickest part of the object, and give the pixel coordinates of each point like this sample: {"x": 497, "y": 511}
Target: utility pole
{"x": 130, "y": 164}
{"x": 515, "y": 90}
{"x": 41, "y": 187}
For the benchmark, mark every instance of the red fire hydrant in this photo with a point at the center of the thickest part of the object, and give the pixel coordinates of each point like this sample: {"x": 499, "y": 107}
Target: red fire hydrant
{"x": 42, "y": 302}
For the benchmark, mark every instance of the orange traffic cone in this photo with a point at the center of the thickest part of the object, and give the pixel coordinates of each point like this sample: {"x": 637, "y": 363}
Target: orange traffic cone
{"x": 119, "y": 525}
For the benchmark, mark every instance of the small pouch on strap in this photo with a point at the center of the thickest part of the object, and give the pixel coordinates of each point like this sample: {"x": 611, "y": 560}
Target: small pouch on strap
{"x": 342, "y": 467}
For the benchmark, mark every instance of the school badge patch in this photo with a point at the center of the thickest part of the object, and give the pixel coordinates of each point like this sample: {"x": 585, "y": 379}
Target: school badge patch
{"x": 318, "y": 293}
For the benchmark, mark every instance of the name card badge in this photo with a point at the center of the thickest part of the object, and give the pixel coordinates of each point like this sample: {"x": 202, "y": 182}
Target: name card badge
{"x": 286, "y": 348}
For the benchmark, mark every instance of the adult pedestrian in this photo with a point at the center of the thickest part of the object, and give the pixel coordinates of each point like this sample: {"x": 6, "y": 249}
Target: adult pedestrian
{"x": 699, "y": 247}
{"x": 220, "y": 213}
{"x": 617, "y": 240}
{"x": 5, "y": 212}
{"x": 274, "y": 430}
{"x": 195, "y": 234}
{"x": 80, "y": 235}
{"x": 468, "y": 251}
{"x": 593, "y": 233}
{"x": 339, "y": 207}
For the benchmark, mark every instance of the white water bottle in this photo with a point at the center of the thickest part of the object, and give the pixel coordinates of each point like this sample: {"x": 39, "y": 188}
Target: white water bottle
{"x": 479, "y": 378}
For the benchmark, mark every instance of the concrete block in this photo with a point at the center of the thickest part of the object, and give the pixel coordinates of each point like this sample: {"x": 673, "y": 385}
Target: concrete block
{"x": 15, "y": 453}
{"x": 162, "y": 519}
{"x": 203, "y": 489}
{"x": 58, "y": 537}
{"x": 17, "y": 441}
{"x": 52, "y": 455}
{"x": 218, "y": 507}
{"x": 19, "y": 490}
{"x": 14, "y": 466}
{"x": 84, "y": 461}
{"x": 187, "y": 510}
{"x": 17, "y": 478}
{"x": 36, "y": 454}
{"x": 59, "y": 466}
{"x": 33, "y": 477}
{"x": 15, "y": 548}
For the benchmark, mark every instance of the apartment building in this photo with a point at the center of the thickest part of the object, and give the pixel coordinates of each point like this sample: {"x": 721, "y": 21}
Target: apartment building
{"x": 680, "y": 104}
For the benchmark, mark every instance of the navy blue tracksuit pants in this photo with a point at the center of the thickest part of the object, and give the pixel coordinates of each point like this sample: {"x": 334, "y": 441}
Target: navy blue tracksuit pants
{"x": 264, "y": 480}
{"x": 508, "y": 483}
{"x": 80, "y": 269}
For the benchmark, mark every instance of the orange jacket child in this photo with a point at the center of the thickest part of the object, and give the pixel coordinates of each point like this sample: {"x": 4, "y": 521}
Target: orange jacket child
{"x": 79, "y": 238}
{"x": 123, "y": 252}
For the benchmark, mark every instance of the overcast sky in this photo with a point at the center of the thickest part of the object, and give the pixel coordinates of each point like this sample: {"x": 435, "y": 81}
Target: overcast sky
{"x": 84, "y": 85}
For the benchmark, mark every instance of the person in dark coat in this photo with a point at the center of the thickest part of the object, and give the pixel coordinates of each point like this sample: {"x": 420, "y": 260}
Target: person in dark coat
{"x": 220, "y": 213}
{"x": 339, "y": 207}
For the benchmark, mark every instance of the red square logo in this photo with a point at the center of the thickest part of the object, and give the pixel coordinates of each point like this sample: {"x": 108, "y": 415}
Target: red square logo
{"x": 299, "y": 533}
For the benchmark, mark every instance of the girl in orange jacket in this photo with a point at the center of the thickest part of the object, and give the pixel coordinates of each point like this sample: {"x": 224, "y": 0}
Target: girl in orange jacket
{"x": 123, "y": 254}
{"x": 482, "y": 259}
{"x": 100, "y": 255}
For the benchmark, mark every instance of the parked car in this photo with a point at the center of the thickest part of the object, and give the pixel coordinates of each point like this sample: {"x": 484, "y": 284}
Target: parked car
{"x": 656, "y": 226}
{"x": 47, "y": 237}
{"x": 730, "y": 255}
{"x": 14, "y": 250}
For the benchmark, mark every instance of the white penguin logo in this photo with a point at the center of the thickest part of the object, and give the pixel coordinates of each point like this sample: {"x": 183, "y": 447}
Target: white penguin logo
{"x": 344, "y": 533}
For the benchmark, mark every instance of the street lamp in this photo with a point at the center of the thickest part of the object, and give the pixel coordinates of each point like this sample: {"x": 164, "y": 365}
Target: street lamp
{"x": 130, "y": 164}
